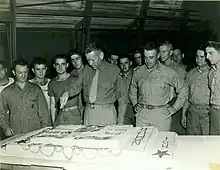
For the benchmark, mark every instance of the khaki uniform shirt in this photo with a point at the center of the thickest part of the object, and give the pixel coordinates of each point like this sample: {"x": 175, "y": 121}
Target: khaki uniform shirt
{"x": 178, "y": 69}
{"x": 154, "y": 87}
{"x": 110, "y": 87}
{"x": 214, "y": 85}
{"x": 28, "y": 108}
{"x": 75, "y": 73}
{"x": 198, "y": 86}
{"x": 127, "y": 80}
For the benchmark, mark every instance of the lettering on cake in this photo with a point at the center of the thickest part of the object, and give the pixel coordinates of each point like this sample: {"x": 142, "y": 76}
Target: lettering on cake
{"x": 90, "y": 128}
{"x": 165, "y": 143}
{"x": 25, "y": 140}
{"x": 140, "y": 136}
{"x": 87, "y": 148}
{"x": 50, "y": 135}
{"x": 93, "y": 137}
{"x": 113, "y": 133}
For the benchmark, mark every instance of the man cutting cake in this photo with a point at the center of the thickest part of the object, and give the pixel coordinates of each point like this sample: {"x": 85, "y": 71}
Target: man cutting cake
{"x": 102, "y": 85}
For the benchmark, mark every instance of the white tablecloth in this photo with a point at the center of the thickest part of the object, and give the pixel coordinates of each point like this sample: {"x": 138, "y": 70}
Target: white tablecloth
{"x": 192, "y": 153}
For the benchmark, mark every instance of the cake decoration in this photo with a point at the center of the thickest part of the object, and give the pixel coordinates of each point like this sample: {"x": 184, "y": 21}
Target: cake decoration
{"x": 161, "y": 153}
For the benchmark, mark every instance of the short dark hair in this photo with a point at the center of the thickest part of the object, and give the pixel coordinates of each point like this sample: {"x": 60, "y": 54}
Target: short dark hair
{"x": 150, "y": 46}
{"x": 20, "y": 61}
{"x": 125, "y": 56}
{"x": 137, "y": 51}
{"x": 2, "y": 63}
{"x": 93, "y": 47}
{"x": 38, "y": 60}
{"x": 60, "y": 56}
{"x": 201, "y": 47}
{"x": 213, "y": 44}
{"x": 74, "y": 52}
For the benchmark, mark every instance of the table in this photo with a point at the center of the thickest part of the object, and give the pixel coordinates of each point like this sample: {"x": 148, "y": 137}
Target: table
{"x": 192, "y": 153}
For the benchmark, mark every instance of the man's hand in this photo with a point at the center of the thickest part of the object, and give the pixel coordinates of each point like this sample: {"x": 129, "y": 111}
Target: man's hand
{"x": 137, "y": 107}
{"x": 170, "y": 112}
{"x": 9, "y": 132}
{"x": 183, "y": 121}
{"x": 63, "y": 99}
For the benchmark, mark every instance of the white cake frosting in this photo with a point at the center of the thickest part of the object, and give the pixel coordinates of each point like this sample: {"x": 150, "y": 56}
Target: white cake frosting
{"x": 93, "y": 144}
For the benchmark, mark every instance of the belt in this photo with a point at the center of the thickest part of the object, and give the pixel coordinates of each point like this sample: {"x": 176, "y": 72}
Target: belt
{"x": 199, "y": 105}
{"x": 151, "y": 107}
{"x": 69, "y": 108}
{"x": 214, "y": 106}
{"x": 93, "y": 105}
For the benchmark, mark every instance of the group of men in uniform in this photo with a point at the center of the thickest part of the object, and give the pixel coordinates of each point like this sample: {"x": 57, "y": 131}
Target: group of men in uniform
{"x": 158, "y": 92}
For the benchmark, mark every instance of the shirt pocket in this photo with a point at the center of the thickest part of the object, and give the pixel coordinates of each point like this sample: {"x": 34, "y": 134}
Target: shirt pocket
{"x": 85, "y": 88}
{"x": 106, "y": 86}
{"x": 32, "y": 104}
{"x": 158, "y": 87}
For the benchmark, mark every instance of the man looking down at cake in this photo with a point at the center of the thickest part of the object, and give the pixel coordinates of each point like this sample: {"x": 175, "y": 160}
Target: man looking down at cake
{"x": 150, "y": 90}
{"x": 26, "y": 103}
{"x": 102, "y": 85}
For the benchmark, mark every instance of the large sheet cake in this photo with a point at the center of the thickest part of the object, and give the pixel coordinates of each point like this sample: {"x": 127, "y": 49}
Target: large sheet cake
{"x": 93, "y": 144}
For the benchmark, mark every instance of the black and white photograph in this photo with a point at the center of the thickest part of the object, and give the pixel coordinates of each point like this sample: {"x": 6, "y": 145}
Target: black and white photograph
{"x": 109, "y": 84}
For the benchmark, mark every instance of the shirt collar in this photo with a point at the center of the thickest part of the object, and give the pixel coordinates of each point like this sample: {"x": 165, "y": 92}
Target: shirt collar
{"x": 158, "y": 65}
{"x": 102, "y": 65}
{"x": 129, "y": 74}
{"x": 200, "y": 71}
{"x": 214, "y": 67}
{"x": 27, "y": 85}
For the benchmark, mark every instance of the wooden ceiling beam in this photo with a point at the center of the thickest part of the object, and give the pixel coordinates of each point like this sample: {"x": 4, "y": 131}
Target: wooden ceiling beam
{"x": 48, "y": 3}
{"x": 75, "y": 13}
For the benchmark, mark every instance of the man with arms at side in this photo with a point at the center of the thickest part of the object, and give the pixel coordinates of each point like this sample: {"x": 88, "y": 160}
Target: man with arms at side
{"x": 150, "y": 91}
{"x": 39, "y": 68}
{"x": 195, "y": 112}
{"x": 102, "y": 85}
{"x": 127, "y": 72}
{"x": 26, "y": 104}
{"x": 213, "y": 55}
